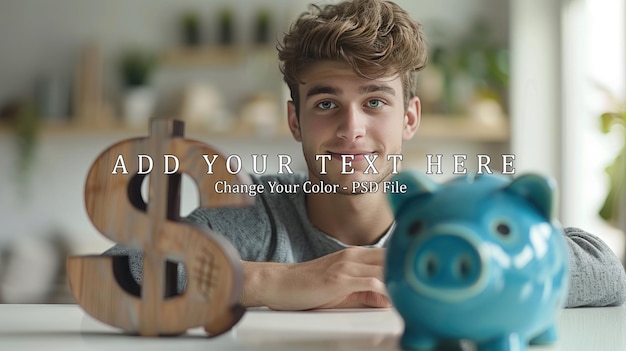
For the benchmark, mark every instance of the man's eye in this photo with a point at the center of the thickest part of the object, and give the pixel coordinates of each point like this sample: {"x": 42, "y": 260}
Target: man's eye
{"x": 326, "y": 105}
{"x": 375, "y": 103}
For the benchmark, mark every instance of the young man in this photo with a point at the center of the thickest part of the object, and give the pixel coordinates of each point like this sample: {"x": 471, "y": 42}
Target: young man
{"x": 350, "y": 68}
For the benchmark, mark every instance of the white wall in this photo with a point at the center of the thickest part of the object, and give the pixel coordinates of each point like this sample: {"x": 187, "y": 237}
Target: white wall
{"x": 536, "y": 86}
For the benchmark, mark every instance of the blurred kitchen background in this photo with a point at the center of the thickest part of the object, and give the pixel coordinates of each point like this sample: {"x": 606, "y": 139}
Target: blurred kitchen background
{"x": 540, "y": 79}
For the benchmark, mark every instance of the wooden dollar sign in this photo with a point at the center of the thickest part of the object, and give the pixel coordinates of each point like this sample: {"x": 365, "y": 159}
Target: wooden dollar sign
{"x": 103, "y": 286}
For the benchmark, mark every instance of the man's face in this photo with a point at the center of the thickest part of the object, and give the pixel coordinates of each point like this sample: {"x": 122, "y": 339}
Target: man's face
{"x": 344, "y": 114}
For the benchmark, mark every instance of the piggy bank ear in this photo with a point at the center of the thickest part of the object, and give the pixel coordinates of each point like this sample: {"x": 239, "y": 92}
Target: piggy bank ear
{"x": 416, "y": 184}
{"x": 538, "y": 190}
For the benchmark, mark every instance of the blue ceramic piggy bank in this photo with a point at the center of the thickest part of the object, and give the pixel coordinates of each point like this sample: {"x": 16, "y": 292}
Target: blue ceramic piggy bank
{"x": 478, "y": 258}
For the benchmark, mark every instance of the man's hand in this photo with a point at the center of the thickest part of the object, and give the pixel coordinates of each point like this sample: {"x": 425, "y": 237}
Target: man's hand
{"x": 351, "y": 277}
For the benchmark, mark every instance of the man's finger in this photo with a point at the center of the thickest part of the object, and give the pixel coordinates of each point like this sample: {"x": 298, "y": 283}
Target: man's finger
{"x": 375, "y": 256}
{"x": 362, "y": 270}
{"x": 367, "y": 299}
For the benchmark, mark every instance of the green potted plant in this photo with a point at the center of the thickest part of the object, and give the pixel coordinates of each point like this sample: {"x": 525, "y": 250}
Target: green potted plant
{"x": 21, "y": 118}
{"x": 610, "y": 122}
{"x": 136, "y": 68}
{"x": 472, "y": 69}
{"x": 191, "y": 29}
{"x": 613, "y": 209}
{"x": 262, "y": 29}
{"x": 26, "y": 125}
{"x": 226, "y": 21}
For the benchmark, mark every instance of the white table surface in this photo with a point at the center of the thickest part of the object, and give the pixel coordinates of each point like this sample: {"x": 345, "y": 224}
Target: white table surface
{"x": 67, "y": 327}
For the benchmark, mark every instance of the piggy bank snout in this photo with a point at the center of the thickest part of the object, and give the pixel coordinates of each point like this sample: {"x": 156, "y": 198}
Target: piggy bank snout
{"x": 446, "y": 266}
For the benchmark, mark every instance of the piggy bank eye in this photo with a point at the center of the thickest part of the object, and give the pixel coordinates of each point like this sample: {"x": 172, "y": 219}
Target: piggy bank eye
{"x": 415, "y": 228}
{"x": 503, "y": 229}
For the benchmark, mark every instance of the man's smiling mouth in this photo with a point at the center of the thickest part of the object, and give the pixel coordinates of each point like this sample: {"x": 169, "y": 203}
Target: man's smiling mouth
{"x": 355, "y": 156}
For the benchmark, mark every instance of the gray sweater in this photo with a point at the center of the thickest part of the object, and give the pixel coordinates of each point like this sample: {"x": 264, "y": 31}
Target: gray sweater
{"x": 277, "y": 229}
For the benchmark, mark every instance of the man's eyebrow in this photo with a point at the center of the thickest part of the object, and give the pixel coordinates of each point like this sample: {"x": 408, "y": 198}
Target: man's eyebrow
{"x": 372, "y": 88}
{"x": 323, "y": 89}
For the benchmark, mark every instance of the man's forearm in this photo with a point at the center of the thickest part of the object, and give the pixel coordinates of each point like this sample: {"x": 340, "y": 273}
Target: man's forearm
{"x": 347, "y": 278}
{"x": 258, "y": 279}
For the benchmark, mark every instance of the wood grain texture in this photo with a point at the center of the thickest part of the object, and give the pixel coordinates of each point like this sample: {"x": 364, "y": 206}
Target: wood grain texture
{"x": 103, "y": 286}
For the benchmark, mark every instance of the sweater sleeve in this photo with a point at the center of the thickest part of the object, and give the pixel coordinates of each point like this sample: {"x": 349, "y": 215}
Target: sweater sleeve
{"x": 597, "y": 276}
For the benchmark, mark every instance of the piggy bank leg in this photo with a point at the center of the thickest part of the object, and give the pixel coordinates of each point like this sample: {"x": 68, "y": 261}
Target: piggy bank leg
{"x": 509, "y": 342}
{"x": 414, "y": 338}
{"x": 547, "y": 337}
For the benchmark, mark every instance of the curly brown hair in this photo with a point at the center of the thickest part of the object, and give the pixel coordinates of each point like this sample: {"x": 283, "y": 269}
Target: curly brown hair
{"x": 375, "y": 38}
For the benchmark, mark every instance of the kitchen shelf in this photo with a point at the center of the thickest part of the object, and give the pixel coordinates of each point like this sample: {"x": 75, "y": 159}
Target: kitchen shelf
{"x": 432, "y": 127}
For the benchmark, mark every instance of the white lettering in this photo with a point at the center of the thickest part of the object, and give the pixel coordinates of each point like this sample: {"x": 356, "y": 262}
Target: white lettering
{"x": 167, "y": 164}
{"x": 120, "y": 164}
{"x": 459, "y": 161}
{"x": 284, "y": 161}
{"x": 370, "y": 164}
{"x": 140, "y": 164}
{"x": 230, "y": 162}
{"x": 430, "y": 163}
{"x": 345, "y": 163}
{"x": 209, "y": 163}
{"x": 324, "y": 158}
{"x": 507, "y": 164}
{"x": 485, "y": 164}
{"x": 395, "y": 158}
{"x": 254, "y": 164}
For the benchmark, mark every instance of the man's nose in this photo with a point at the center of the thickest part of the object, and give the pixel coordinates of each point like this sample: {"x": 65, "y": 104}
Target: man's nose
{"x": 353, "y": 124}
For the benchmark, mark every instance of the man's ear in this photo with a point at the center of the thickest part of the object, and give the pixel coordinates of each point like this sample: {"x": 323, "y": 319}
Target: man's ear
{"x": 293, "y": 121}
{"x": 412, "y": 118}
